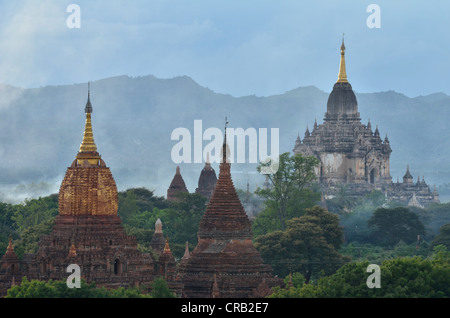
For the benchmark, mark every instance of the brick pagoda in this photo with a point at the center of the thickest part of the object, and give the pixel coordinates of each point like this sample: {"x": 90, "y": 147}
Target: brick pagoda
{"x": 207, "y": 180}
{"x": 87, "y": 232}
{"x": 176, "y": 186}
{"x": 225, "y": 262}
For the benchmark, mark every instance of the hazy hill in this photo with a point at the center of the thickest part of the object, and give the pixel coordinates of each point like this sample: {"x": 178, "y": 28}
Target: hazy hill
{"x": 41, "y": 129}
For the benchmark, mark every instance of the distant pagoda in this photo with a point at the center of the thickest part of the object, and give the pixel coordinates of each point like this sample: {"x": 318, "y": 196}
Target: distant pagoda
{"x": 207, "y": 180}
{"x": 176, "y": 186}
{"x": 225, "y": 262}
{"x": 10, "y": 270}
{"x": 350, "y": 153}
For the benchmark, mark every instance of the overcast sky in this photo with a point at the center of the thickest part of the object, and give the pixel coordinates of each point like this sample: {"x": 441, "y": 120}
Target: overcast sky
{"x": 237, "y": 47}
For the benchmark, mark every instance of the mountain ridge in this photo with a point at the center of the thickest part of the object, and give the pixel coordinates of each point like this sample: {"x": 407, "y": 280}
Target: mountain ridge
{"x": 133, "y": 117}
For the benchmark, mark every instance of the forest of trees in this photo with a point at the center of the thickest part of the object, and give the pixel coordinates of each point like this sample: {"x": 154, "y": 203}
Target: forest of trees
{"x": 321, "y": 251}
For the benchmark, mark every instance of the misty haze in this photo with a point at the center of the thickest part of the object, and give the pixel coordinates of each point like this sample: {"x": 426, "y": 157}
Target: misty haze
{"x": 134, "y": 117}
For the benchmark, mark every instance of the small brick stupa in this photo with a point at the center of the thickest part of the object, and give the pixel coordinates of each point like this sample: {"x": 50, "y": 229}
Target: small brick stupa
{"x": 207, "y": 180}
{"x": 225, "y": 262}
{"x": 176, "y": 186}
{"x": 9, "y": 269}
{"x": 158, "y": 241}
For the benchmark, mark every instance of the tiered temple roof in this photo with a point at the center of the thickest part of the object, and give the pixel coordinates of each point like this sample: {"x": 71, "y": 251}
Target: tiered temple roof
{"x": 225, "y": 261}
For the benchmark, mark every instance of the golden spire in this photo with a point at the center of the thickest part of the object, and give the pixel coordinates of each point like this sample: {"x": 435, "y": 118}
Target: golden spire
{"x": 342, "y": 77}
{"x": 88, "y": 149}
{"x": 88, "y": 144}
{"x": 167, "y": 247}
{"x": 10, "y": 247}
{"x": 72, "y": 251}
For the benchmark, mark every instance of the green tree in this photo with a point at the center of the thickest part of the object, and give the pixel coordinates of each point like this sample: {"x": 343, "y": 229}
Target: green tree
{"x": 266, "y": 221}
{"x": 356, "y": 224}
{"x": 6, "y": 213}
{"x": 35, "y": 211}
{"x": 309, "y": 245}
{"x": 287, "y": 184}
{"x": 411, "y": 277}
{"x": 160, "y": 289}
{"x": 437, "y": 216}
{"x": 443, "y": 238}
{"x": 135, "y": 201}
{"x": 127, "y": 207}
{"x": 390, "y": 226}
{"x": 181, "y": 220}
{"x": 29, "y": 237}
{"x": 58, "y": 289}
{"x": 32, "y": 219}
{"x": 342, "y": 203}
{"x": 293, "y": 283}
{"x": 275, "y": 250}
{"x": 402, "y": 277}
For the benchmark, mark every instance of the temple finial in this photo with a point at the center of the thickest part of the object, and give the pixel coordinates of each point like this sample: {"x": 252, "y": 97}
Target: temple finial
{"x": 10, "y": 246}
{"x": 167, "y": 247}
{"x": 88, "y": 144}
{"x": 88, "y": 108}
{"x": 88, "y": 148}
{"x": 225, "y": 145}
{"x": 226, "y": 124}
{"x": 158, "y": 226}
{"x": 342, "y": 77}
{"x": 186, "y": 252}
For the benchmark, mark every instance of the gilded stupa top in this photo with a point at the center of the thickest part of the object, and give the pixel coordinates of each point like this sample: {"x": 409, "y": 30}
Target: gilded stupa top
{"x": 88, "y": 148}
{"x": 342, "y": 100}
{"x": 342, "y": 77}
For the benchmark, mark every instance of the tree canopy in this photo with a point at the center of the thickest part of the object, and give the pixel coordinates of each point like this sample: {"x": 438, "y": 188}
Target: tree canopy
{"x": 390, "y": 226}
{"x": 289, "y": 193}
{"x": 412, "y": 277}
{"x": 443, "y": 238}
{"x": 309, "y": 245}
{"x": 58, "y": 289}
